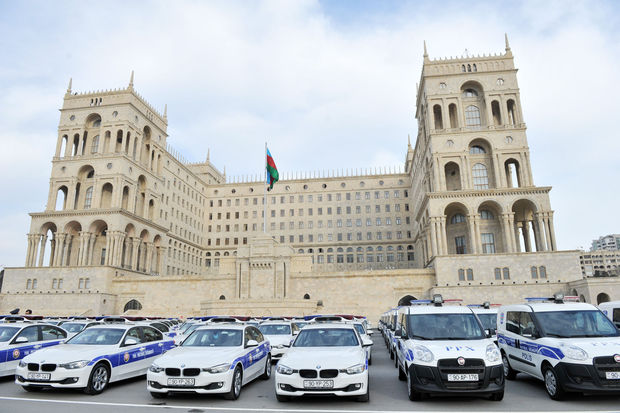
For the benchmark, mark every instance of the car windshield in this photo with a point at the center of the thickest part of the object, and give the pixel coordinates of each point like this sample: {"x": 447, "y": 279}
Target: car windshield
{"x": 73, "y": 327}
{"x": 589, "y": 323}
{"x": 7, "y": 332}
{"x": 186, "y": 327}
{"x": 214, "y": 338}
{"x": 445, "y": 327}
{"x": 488, "y": 320}
{"x": 301, "y": 324}
{"x": 275, "y": 329}
{"x": 360, "y": 329}
{"x": 326, "y": 337}
{"x": 192, "y": 328}
{"x": 98, "y": 336}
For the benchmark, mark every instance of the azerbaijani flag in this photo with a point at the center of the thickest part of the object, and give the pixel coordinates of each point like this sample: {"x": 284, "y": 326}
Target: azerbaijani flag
{"x": 272, "y": 171}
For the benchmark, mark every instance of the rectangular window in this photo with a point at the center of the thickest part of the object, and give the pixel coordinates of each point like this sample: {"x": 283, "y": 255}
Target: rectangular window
{"x": 378, "y": 235}
{"x": 387, "y": 208}
{"x": 506, "y": 273}
{"x": 498, "y": 273}
{"x": 320, "y": 238}
{"x": 359, "y": 236}
{"x": 309, "y": 198}
{"x": 348, "y": 196}
{"x": 377, "y": 208}
{"x": 461, "y": 248}
{"x": 367, "y": 195}
{"x": 291, "y": 238}
{"x": 340, "y": 236}
{"x": 329, "y": 210}
{"x": 338, "y": 197}
{"x": 319, "y": 198}
{"x": 470, "y": 274}
{"x": 488, "y": 243}
{"x": 358, "y": 196}
{"x": 358, "y": 209}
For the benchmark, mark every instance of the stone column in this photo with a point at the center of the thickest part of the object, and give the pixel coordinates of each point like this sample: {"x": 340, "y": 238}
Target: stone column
{"x": 135, "y": 250}
{"x": 80, "y": 145}
{"x": 60, "y": 246}
{"x": 108, "y": 247}
{"x": 29, "y": 250}
{"x": 433, "y": 237}
{"x": 69, "y": 146}
{"x": 65, "y": 252}
{"x": 478, "y": 235}
{"x": 525, "y": 228}
{"x": 444, "y": 235}
{"x": 552, "y": 232}
{"x": 508, "y": 237}
{"x": 149, "y": 258}
{"x": 162, "y": 261}
{"x": 52, "y": 250}
{"x": 43, "y": 242}
{"x": 120, "y": 245}
{"x": 472, "y": 235}
{"x": 91, "y": 249}
{"x": 489, "y": 111}
{"x": 540, "y": 231}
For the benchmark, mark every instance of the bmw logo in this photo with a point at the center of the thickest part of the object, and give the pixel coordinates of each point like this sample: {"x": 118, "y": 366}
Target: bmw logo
{"x": 16, "y": 353}
{"x": 461, "y": 361}
{"x": 617, "y": 358}
{"x": 182, "y": 365}
{"x": 318, "y": 367}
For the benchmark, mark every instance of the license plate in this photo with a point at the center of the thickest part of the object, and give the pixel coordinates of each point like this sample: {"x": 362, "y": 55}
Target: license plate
{"x": 39, "y": 376}
{"x": 462, "y": 377}
{"x": 318, "y": 384}
{"x": 181, "y": 382}
{"x": 612, "y": 375}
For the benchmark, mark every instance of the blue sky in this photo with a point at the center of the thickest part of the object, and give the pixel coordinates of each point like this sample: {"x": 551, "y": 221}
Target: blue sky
{"x": 330, "y": 84}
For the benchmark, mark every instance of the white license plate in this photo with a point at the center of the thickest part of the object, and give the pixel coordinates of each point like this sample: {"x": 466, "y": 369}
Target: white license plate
{"x": 181, "y": 382}
{"x": 318, "y": 384}
{"x": 612, "y": 375}
{"x": 462, "y": 377}
{"x": 39, "y": 376}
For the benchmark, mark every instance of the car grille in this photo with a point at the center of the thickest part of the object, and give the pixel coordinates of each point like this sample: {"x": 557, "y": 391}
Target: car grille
{"x": 313, "y": 374}
{"x": 48, "y": 367}
{"x": 328, "y": 374}
{"x": 471, "y": 366}
{"x": 191, "y": 372}
{"x": 33, "y": 367}
{"x": 308, "y": 374}
{"x": 603, "y": 365}
{"x": 173, "y": 372}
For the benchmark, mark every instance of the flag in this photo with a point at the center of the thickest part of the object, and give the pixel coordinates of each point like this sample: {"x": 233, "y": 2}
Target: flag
{"x": 272, "y": 171}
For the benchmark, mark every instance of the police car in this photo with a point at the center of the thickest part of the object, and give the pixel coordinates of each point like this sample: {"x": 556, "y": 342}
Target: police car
{"x": 444, "y": 350}
{"x": 74, "y": 327}
{"x": 612, "y": 310}
{"x": 215, "y": 358}
{"x": 93, "y": 358}
{"x": 360, "y": 326}
{"x": 17, "y": 340}
{"x": 324, "y": 359}
{"x": 280, "y": 335}
{"x": 487, "y": 314}
{"x": 571, "y": 346}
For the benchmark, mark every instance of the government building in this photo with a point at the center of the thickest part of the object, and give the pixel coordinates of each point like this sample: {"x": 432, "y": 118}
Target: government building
{"x": 131, "y": 227}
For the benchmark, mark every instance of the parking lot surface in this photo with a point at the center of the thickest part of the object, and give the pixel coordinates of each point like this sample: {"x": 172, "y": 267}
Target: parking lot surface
{"x": 387, "y": 394}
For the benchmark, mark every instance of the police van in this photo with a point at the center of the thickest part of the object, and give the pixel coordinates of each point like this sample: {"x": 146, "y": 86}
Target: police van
{"x": 443, "y": 349}
{"x": 612, "y": 310}
{"x": 487, "y": 314}
{"x": 390, "y": 337}
{"x": 571, "y": 346}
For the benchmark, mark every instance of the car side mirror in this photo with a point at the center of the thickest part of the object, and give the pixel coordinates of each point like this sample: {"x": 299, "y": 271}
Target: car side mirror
{"x": 130, "y": 342}
{"x": 367, "y": 343}
{"x": 20, "y": 340}
{"x": 487, "y": 333}
{"x": 251, "y": 343}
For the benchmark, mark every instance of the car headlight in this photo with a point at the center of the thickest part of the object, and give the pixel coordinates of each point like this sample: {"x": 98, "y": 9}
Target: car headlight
{"x": 356, "y": 369}
{"x": 574, "y": 352}
{"x": 278, "y": 346}
{"x": 74, "y": 364}
{"x": 493, "y": 353}
{"x": 220, "y": 368}
{"x": 22, "y": 363}
{"x": 155, "y": 368}
{"x": 423, "y": 354}
{"x": 282, "y": 369}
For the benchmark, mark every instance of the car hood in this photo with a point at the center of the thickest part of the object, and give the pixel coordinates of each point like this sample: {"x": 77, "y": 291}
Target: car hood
{"x": 277, "y": 340}
{"x": 65, "y": 353}
{"x": 326, "y": 357}
{"x": 197, "y": 356}
{"x": 451, "y": 349}
{"x": 594, "y": 346}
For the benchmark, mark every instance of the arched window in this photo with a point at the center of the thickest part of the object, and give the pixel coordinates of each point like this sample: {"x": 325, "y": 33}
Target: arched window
{"x": 437, "y": 116}
{"x": 472, "y": 116}
{"x": 463, "y": 68}
{"x": 457, "y": 218}
{"x": 306, "y": 296}
{"x": 469, "y": 68}
{"x": 222, "y": 297}
{"x": 512, "y": 118}
{"x": 88, "y": 197}
{"x": 477, "y": 150}
{"x": 95, "y": 145}
{"x": 133, "y": 305}
{"x": 486, "y": 214}
{"x": 97, "y": 123}
{"x": 534, "y": 271}
{"x": 481, "y": 178}
{"x": 470, "y": 93}
{"x": 475, "y": 68}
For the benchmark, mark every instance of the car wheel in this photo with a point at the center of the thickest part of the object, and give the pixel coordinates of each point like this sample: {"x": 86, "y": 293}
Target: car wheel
{"x": 402, "y": 376}
{"x": 157, "y": 395}
{"x": 267, "y": 373}
{"x": 396, "y": 359}
{"x": 509, "y": 373}
{"x": 552, "y": 384}
{"x": 282, "y": 398}
{"x": 32, "y": 388}
{"x": 391, "y": 354}
{"x": 370, "y": 361}
{"x": 235, "y": 385}
{"x": 414, "y": 396}
{"x": 366, "y": 396}
{"x": 497, "y": 396}
{"x": 98, "y": 380}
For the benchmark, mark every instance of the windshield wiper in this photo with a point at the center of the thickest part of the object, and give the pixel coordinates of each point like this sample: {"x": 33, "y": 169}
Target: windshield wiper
{"x": 422, "y": 337}
{"x": 557, "y": 335}
{"x": 459, "y": 338}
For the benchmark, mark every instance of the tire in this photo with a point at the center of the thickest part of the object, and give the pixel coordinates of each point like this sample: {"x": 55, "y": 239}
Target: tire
{"x": 235, "y": 385}
{"x": 267, "y": 373}
{"x": 509, "y": 373}
{"x": 32, "y": 389}
{"x": 402, "y": 376}
{"x": 391, "y": 354}
{"x": 370, "y": 361}
{"x": 98, "y": 379}
{"x": 497, "y": 396}
{"x": 282, "y": 398}
{"x": 364, "y": 398}
{"x": 552, "y": 384}
{"x": 414, "y": 396}
{"x": 157, "y": 395}
{"x": 395, "y": 359}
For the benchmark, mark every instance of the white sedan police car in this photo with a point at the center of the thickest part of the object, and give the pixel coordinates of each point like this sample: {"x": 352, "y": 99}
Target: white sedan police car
{"x": 572, "y": 347}
{"x": 326, "y": 359}
{"x": 280, "y": 335}
{"x": 216, "y": 358}
{"x": 93, "y": 358}
{"x": 17, "y": 340}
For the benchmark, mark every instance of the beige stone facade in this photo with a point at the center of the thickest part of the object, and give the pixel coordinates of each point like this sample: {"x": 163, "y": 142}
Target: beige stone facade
{"x": 129, "y": 223}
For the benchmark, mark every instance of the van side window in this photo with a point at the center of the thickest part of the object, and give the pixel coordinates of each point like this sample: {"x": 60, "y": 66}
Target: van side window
{"x": 403, "y": 325}
{"x": 616, "y": 316}
{"x": 512, "y": 321}
{"x": 528, "y": 329}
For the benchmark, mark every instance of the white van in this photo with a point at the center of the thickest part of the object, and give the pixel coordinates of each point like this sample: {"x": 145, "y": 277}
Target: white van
{"x": 612, "y": 310}
{"x": 572, "y": 347}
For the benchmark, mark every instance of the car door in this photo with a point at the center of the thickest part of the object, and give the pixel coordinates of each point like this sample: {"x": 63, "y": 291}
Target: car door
{"x": 250, "y": 355}
{"x": 154, "y": 344}
{"x": 51, "y": 336}
{"x": 513, "y": 339}
{"x": 129, "y": 357}
{"x": 17, "y": 351}
{"x": 528, "y": 346}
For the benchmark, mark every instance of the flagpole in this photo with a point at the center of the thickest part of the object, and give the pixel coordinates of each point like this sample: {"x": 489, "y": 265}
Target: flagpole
{"x": 265, "y": 194}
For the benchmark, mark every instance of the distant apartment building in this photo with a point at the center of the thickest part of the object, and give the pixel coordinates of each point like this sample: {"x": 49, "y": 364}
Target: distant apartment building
{"x": 606, "y": 243}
